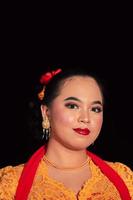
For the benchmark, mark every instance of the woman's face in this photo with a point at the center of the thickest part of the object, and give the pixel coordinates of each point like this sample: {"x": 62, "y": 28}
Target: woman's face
{"x": 76, "y": 115}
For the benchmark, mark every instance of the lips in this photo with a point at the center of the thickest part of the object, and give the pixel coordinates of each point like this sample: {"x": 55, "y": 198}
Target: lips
{"x": 80, "y": 131}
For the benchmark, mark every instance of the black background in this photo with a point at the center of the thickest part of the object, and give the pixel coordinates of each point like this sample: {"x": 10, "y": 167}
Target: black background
{"x": 30, "y": 46}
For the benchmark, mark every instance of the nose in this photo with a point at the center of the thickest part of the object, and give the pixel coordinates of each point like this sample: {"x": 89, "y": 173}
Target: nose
{"x": 84, "y": 117}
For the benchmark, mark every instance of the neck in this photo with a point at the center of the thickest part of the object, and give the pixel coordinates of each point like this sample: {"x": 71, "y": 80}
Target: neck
{"x": 64, "y": 156}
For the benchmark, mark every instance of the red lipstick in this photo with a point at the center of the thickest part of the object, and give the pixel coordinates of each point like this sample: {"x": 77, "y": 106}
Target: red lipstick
{"x": 81, "y": 131}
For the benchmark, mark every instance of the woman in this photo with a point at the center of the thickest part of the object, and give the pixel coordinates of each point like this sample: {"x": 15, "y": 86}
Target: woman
{"x": 63, "y": 169}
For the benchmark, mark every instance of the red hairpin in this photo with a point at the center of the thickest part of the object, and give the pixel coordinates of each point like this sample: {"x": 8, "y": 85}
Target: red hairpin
{"x": 45, "y": 78}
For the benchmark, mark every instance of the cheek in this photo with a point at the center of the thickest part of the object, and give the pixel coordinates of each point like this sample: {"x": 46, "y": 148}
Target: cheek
{"x": 97, "y": 122}
{"x": 63, "y": 117}
{"x": 100, "y": 122}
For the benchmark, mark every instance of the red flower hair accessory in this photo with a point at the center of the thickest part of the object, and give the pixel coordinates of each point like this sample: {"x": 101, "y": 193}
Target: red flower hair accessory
{"x": 45, "y": 78}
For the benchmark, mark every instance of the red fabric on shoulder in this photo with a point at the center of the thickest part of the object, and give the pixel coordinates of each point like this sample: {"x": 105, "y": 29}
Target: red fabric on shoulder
{"x": 27, "y": 177}
{"x": 28, "y": 173}
{"x": 112, "y": 175}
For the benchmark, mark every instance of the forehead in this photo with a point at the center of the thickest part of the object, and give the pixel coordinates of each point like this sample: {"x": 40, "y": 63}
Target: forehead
{"x": 80, "y": 86}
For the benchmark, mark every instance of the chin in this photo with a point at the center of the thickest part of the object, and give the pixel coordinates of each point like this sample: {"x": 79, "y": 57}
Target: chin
{"x": 77, "y": 146}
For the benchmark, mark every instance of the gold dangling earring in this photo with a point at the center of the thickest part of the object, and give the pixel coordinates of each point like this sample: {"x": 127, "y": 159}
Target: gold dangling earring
{"x": 46, "y": 128}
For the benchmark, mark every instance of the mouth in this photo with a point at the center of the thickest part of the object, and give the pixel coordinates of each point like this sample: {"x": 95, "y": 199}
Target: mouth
{"x": 80, "y": 131}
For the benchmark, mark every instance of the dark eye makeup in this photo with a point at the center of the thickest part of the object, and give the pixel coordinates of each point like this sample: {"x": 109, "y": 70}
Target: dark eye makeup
{"x": 97, "y": 109}
{"x": 71, "y": 105}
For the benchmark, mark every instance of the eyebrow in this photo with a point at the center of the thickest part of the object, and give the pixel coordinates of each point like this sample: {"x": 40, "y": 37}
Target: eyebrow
{"x": 97, "y": 102}
{"x": 76, "y": 99}
{"x": 72, "y": 98}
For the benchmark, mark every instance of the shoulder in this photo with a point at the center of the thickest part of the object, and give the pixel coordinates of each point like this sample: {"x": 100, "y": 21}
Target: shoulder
{"x": 11, "y": 171}
{"x": 9, "y": 177}
{"x": 121, "y": 168}
{"x": 125, "y": 173}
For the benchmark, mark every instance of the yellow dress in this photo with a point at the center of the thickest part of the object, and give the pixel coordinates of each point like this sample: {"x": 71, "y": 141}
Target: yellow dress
{"x": 46, "y": 188}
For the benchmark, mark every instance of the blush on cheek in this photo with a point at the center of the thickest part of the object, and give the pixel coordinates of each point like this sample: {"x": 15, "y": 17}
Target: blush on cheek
{"x": 100, "y": 122}
{"x": 65, "y": 119}
{"x": 61, "y": 116}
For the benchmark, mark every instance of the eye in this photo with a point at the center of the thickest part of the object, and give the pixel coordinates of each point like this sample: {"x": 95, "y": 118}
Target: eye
{"x": 97, "y": 109}
{"x": 71, "y": 105}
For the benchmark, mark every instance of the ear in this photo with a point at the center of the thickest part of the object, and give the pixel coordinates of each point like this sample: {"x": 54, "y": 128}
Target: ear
{"x": 44, "y": 111}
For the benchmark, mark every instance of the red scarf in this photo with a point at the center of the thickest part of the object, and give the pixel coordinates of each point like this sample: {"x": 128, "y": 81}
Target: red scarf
{"x": 28, "y": 173}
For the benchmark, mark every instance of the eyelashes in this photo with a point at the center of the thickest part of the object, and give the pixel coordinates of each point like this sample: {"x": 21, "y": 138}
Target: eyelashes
{"x": 72, "y": 105}
{"x": 96, "y": 109}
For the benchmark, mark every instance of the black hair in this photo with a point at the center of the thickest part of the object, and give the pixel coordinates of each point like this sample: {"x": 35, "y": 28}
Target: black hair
{"x": 53, "y": 88}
